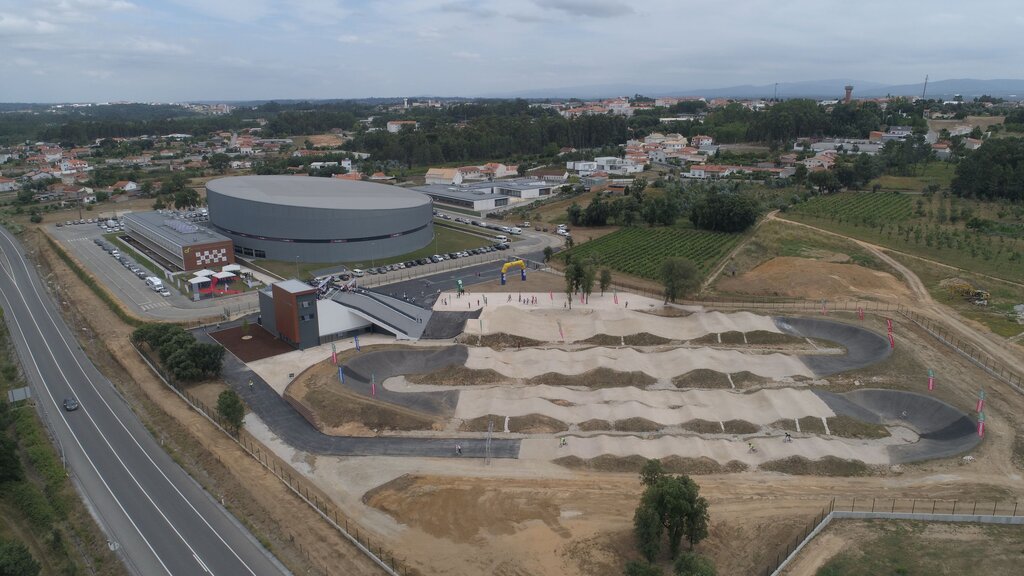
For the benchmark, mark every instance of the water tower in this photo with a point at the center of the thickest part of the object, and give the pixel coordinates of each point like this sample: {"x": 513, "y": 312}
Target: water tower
{"x": 849, "y": 94}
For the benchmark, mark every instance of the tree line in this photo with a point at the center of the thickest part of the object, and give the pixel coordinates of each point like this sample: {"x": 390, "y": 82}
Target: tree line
{"x": 708, "y": 205}
{"x": 186, "y": 359}
{"x": 993, "y": 171}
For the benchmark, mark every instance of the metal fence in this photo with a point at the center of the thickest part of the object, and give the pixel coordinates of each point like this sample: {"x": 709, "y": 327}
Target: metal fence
{"x": 908, "y": 509}
{"x": 304, "y": 489}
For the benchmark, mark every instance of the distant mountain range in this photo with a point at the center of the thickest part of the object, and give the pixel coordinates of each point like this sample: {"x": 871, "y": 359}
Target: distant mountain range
{"x": 818, "y": 89}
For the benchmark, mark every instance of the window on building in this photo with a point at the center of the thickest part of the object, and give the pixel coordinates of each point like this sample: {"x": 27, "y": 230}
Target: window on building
{"x": 247, "y": 251}
{"x": 260, "y": 253}
{"x": 306, "y": 304}
{"x": 238, "y": 249}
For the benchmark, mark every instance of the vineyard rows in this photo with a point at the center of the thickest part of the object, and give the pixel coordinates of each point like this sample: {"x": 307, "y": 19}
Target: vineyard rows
{"x": 863, "y": 207}
{"x": 640, "y": 251}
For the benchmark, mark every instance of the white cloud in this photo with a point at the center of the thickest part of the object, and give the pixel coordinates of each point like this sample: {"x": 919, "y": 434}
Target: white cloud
{"x": 16, "y": 25}
{"x": 463, "y": 55}
{"x": 350, "y": 39}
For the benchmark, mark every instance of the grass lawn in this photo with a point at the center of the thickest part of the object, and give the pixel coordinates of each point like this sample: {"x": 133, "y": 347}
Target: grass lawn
{"x": 940, "y": 173}
{"x": 445, "y": 240}
{"x": 920, "y": 548}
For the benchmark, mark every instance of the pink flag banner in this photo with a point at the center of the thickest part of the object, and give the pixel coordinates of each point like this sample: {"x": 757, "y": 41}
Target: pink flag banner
{"x": 615, "y": 297}
{"x": 860, "y": 313}
{"x": 892, "y": 341}
{"x": 931, "y": 380}
{"x": 888, "y": 322}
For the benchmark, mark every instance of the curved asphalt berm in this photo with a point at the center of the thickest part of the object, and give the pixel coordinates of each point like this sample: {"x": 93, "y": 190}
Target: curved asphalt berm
{"x": 863, "y": 347}
{"x": 291, "y": 427}
{"x": 943, "y": 430}
{"x": 161, "y": 519}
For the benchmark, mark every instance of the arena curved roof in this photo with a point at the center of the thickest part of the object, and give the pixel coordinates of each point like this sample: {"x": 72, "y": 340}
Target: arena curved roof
{"x": 312, "y": 192}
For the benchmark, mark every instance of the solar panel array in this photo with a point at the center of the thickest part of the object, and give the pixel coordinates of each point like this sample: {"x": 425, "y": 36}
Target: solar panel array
{"x": 181, "y": 226}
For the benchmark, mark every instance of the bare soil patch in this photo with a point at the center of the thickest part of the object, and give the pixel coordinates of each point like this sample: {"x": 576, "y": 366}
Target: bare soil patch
{"x": 793, "y": 277}
{"x": 731, "y": 427}
{"x": 827, "y": 466}
{"x": 596, "y": 378}
{"x": 262, "y": 345}
{"x": 528, "y": 424}
{"x": 458, "y": 375}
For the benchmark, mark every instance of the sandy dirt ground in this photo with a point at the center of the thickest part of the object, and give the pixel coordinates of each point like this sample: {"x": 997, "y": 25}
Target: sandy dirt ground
{"x": 663, "y": 406}
{"x": 807, "y": 278}
{"x": 531, "y": 362}
{"x": 548, "y": 321}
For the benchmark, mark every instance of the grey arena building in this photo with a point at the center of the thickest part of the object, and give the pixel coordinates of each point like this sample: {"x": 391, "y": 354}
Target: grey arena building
{"x": 318, "y": 219}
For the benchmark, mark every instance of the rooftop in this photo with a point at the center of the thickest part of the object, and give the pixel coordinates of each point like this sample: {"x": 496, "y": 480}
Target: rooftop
{"x": 316, "y": 192}
{"x": 179, "y": 232}
{"x": 479, "y": 190}
{"x": 294, "y": 286}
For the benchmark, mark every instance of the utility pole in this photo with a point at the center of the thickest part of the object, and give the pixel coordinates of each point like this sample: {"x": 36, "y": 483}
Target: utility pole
{"x": 925, "y": 89}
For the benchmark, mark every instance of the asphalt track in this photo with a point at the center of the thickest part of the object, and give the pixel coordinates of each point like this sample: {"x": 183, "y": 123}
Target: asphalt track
{"x": 943, "y": 430}
{"x": 291, "y": 427}
{"x": 863, "y": 347}
{"x": 162, "y": 521}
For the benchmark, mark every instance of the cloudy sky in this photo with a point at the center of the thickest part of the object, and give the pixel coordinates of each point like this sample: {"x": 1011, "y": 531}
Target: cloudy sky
{"x": 175, "y": 50}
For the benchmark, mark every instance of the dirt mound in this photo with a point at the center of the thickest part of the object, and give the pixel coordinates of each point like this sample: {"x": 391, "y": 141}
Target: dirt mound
{"x": 827, "y": 466}
{"x": 667, "y": 312}
{"x": 595, "y": 425}
{"x": 636, "y": 425}
{"x": 596, "y": 378}
{"x": 671, "y": 464}
{"x": 528, "y": 424}
{"x": 458, "y": 375}
{"x": 808, "y": 425}
{"x": 341, "y": 412}
{"x": 499, "y": 340}
{"x": 702, "y": 378}
{"x": 640, "y": 339}
{"x": 849, "y": 427}
{"x": 731, "y": 427}
{"x": 699, "y": 466}
{"x": 806, "y": 278}
{"x": 747, "y": 379}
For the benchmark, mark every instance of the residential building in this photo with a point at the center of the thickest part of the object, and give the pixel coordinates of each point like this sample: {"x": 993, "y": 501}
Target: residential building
{"x": 608, "y": 164}
{"x": 487, "y": 195}
{"x": 8, "y": 185}
{"x": 443, "y": 176}
{"x": 701, "y": 140}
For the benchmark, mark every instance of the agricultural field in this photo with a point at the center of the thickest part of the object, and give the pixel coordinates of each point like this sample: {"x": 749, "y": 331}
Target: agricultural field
{"x": 932, "y": 227}
{"x": 865, "y": 208}
{"x": 640, "y": 251}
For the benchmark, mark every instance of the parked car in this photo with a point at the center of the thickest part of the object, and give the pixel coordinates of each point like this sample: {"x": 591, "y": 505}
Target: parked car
{"x": 357, "y": 272}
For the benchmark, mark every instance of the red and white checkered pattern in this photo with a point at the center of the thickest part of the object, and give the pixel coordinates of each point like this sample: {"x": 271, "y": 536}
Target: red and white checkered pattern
{"x": 214, "y": 256}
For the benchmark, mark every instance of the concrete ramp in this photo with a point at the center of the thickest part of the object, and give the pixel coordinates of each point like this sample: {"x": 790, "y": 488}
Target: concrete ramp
{"x": 406, "y": 321}
{"x": 944, "y": 430}
{"x": 863, "y": 347}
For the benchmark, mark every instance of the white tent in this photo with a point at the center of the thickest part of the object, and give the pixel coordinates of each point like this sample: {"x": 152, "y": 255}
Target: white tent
{"x": 223, "y": 275}
{"x": 198, "y": 280}
{"x": 231, "y": 268}
{"x": 204, "y": 272}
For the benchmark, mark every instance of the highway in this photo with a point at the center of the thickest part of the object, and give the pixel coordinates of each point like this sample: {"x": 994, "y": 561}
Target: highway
{"x": 160, "y": 520}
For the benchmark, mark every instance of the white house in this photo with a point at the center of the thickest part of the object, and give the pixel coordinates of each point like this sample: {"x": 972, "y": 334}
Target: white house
{"x": 443, "y": 176}
{"x": 609, "y": 164}
{"x": 7, "y": 185}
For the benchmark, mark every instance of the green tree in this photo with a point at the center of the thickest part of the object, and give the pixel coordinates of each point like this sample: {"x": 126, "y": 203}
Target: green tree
{"x": 219, "y": 162}
{"x": 571, "y": 272}
{"x": 651, "y": 472}
{"x": 637, "y": 568}
{"x": 231, "y": 409}
{"x": 102, "y": 196}
{"x": 723, "y": 211}
{"x": 605, "y": 279}
{"x": 10, "y": 463}
{"x": 679, "y": 276}
{"x": 691, "y": 564}
{"x": 186, "y": 198}
{"x": 681, "y": 512}
{"x": 587, "y": 276}
{"x": 648, "y": 530}
{"x": 548, "y": 253}
{"x": 16, "y": 560}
